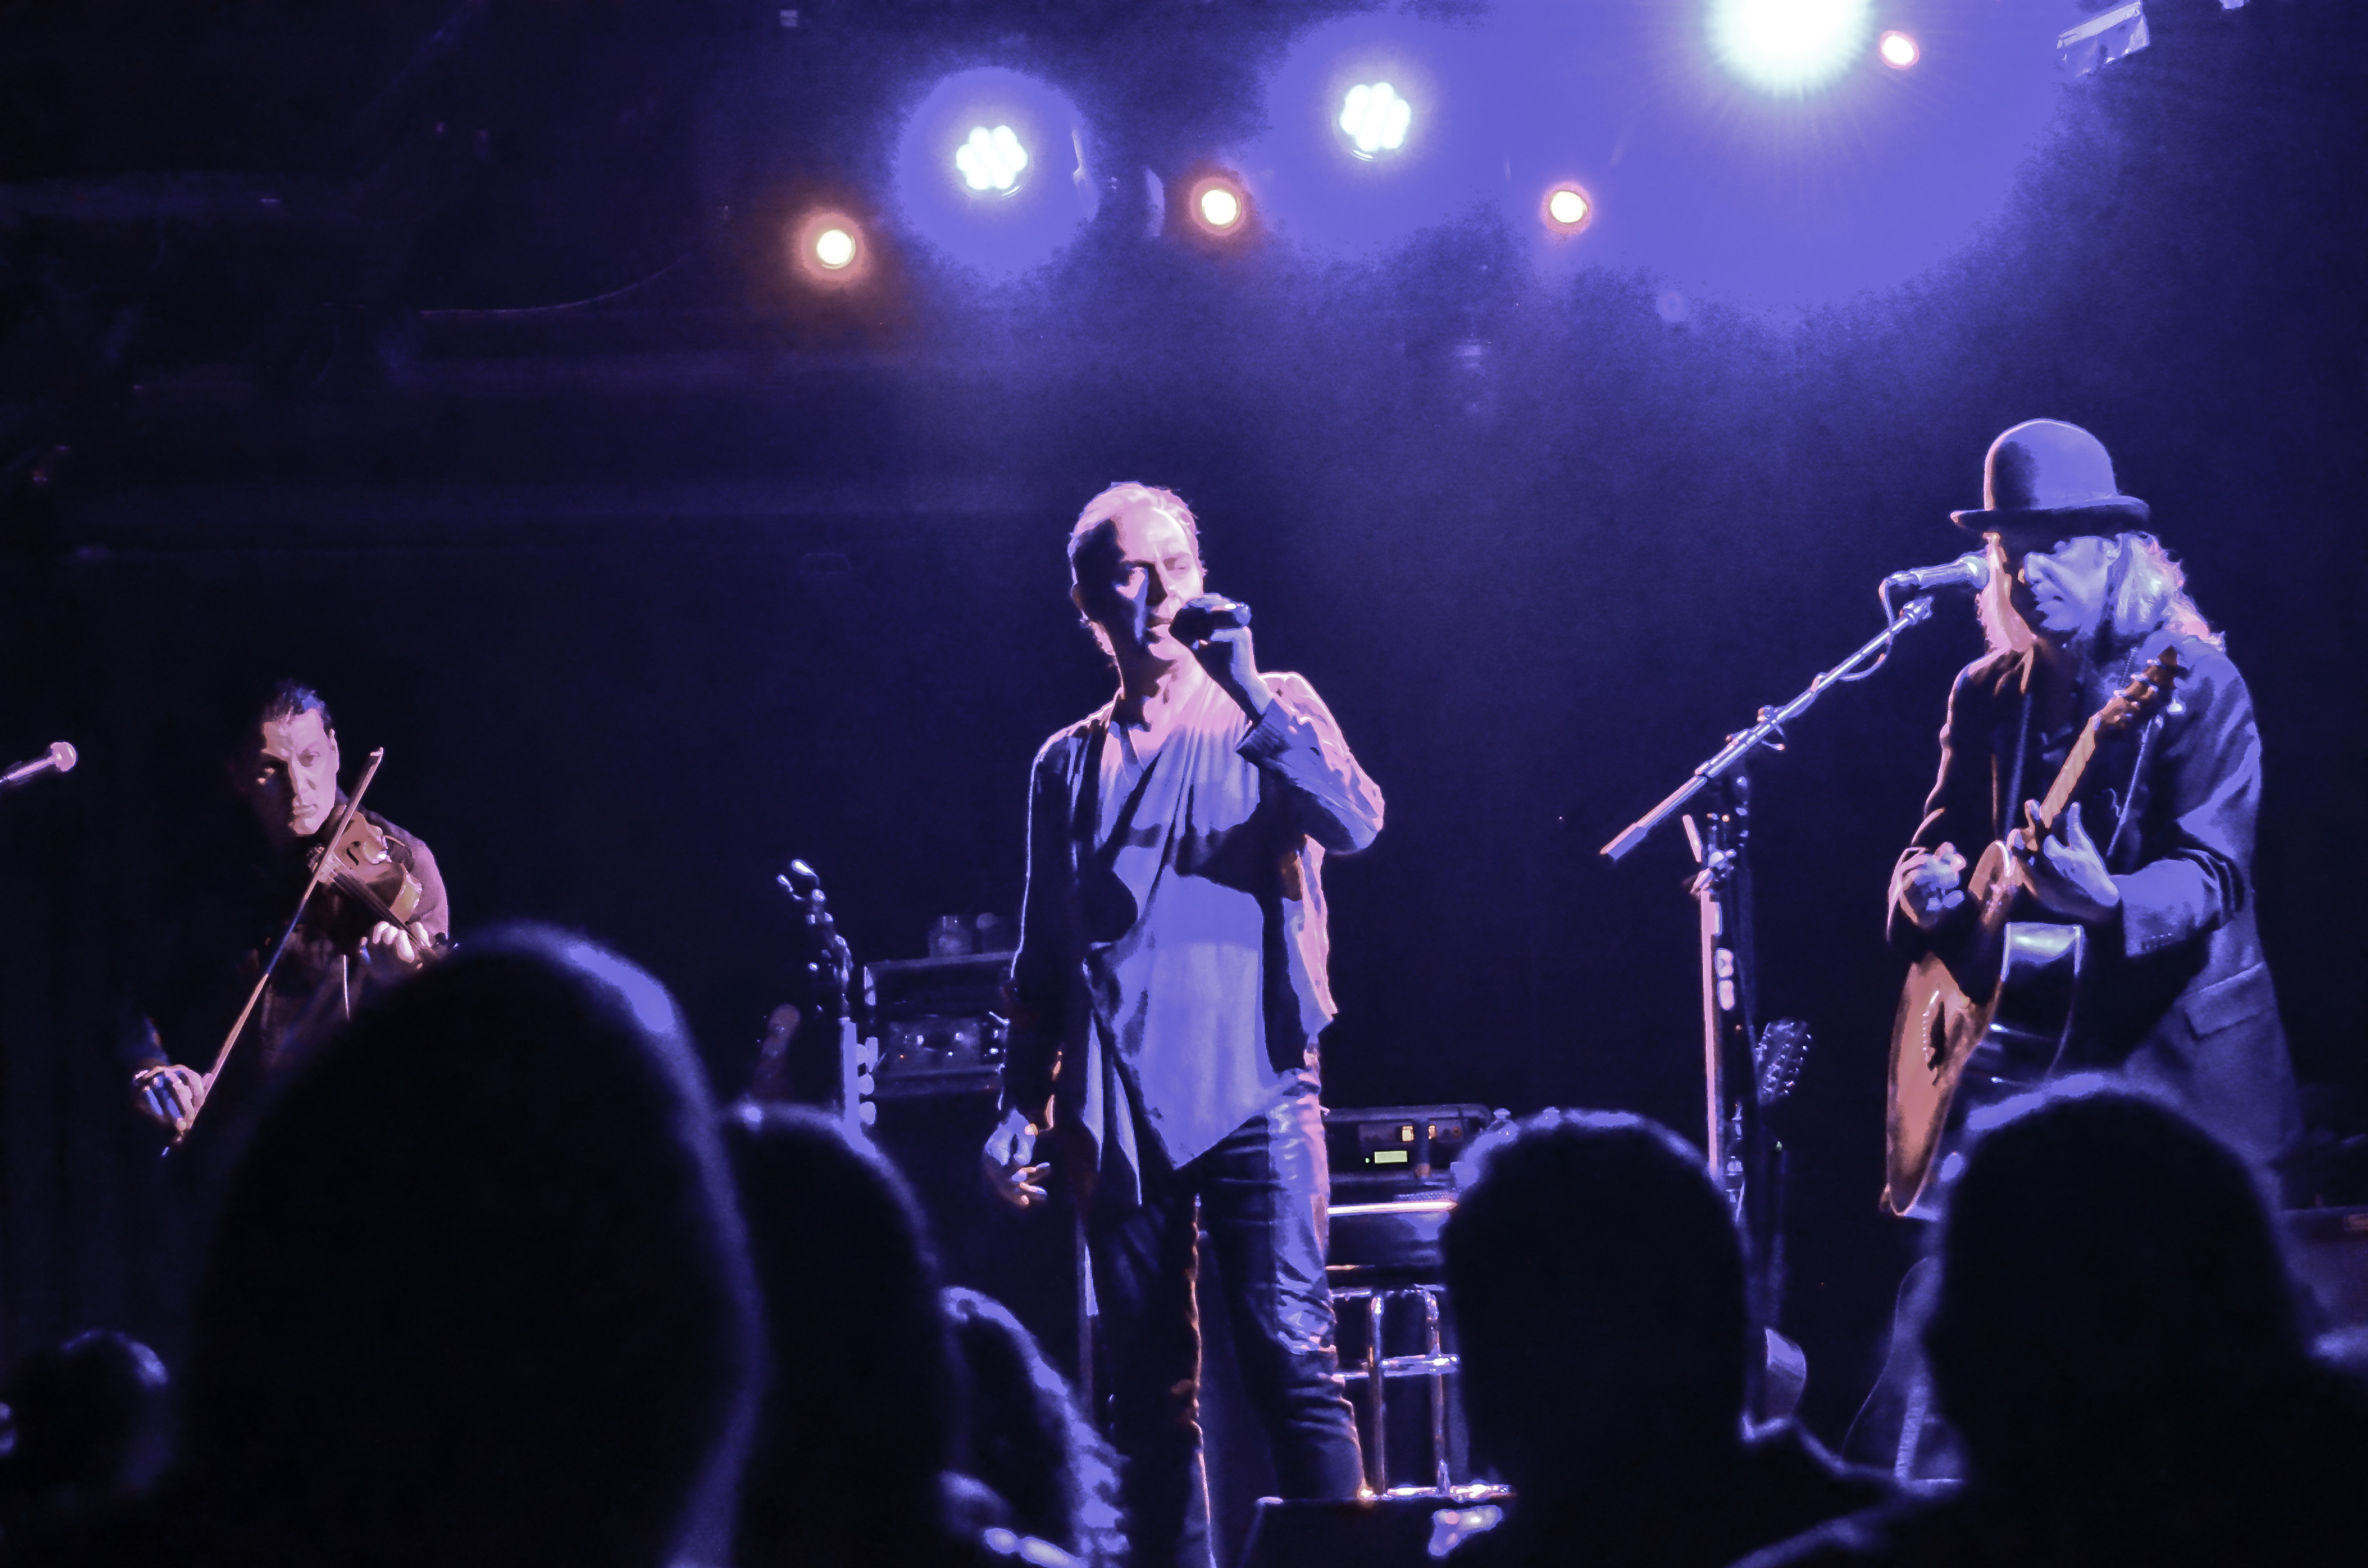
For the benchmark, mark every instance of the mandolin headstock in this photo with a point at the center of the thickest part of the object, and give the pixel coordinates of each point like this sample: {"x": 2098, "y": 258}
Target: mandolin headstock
{"x": 2143, "y": 696}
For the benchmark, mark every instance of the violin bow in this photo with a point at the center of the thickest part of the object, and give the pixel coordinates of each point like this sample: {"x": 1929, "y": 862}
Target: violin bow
{"x": 320, "y": 872}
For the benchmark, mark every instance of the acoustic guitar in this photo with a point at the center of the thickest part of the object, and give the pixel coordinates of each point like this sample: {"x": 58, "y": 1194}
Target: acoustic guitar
{"x": 2007, "y": 990}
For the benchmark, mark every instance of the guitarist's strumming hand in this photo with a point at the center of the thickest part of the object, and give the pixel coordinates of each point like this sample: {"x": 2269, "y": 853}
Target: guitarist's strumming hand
{"x": 1931, "y": 884}
{"x": 2066, "y": 874}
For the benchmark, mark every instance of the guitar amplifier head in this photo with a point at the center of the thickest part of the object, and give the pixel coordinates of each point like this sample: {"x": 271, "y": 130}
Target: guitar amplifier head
{"x": 937, "y": 1023}
{"x": 1378, "y": 1151}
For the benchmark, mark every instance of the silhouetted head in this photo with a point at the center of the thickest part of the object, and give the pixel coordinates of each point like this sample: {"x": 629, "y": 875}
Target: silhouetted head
{"x": 479, "y": 1293}
{"x": 860, "y": 1411}
{"x": 2112, "y": 1295}
{"x": 84, "y": 1428}
{"x": 1596, "y": 1284}
{"x": 1026, "y": 1439}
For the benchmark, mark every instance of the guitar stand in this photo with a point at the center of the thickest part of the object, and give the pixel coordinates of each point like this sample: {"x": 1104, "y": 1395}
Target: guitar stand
{"x": 1742, "y": 1159}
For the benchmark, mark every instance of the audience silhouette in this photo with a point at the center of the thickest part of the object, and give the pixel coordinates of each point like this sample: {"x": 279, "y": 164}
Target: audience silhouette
{"x": 478, "y": 1294}
{"x": 852, "y": 1465}
{"x": 1596, "y": 1283}
{"x": 1026, "y": 1439}
{"x": 82, "y": 1430}
{"x": 2117, "y": 1343}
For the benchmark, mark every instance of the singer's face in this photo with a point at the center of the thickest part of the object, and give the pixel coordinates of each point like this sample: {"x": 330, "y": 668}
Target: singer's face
{"x": 2059, "y": 587}
{"x": 289, "y": 780}
{"x": 1134, "y": 573}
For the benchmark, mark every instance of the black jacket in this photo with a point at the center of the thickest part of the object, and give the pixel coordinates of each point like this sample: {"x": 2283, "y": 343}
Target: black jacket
{"x": 2176, "y": 991}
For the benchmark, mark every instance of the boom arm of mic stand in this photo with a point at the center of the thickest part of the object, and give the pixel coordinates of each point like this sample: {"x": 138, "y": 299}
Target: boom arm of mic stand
{"x": 1745, "y": 741}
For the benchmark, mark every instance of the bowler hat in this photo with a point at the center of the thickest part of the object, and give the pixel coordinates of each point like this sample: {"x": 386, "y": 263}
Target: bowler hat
{"x": 2043, "y": 475}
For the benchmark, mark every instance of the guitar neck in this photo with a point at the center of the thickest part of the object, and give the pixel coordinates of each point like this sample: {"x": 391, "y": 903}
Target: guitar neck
{"x": 2069, "y": 776}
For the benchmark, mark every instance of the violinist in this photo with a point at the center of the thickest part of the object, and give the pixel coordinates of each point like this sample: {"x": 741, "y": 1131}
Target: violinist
{"x": 379, "y": 918}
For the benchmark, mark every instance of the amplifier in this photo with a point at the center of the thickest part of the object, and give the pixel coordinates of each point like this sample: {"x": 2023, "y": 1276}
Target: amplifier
{"x": 935, "y": 1023}
{"x": 1379, "y": 1150}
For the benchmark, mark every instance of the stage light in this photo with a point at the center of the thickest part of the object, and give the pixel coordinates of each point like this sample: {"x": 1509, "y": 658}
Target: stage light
{"x": 828, "y": 247}
{"x": 1567, "y": 209}
{"x": 1899, "y": 50}
{"x": 1375, "y": 119}
{"x": 1788, "y": 46}
{"x": 991, "y": 160}
{"x": 835, "y": 248}
{"x": 1218, "y": 205}
{"x": 992, "y": 172}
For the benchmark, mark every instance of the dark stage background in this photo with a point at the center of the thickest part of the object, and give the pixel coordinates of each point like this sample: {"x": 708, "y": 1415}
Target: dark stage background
{"x": 645, "y": 595}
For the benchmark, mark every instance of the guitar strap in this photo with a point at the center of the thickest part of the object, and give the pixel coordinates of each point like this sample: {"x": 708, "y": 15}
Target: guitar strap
{"x": 2012, "y": 804}
{"x": 2130, "y": 795}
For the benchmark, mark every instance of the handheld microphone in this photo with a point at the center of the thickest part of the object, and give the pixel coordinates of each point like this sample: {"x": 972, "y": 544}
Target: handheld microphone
{"x": 1207, "y": 614}
{"x": 60, "y": 759}
{"x": 1971, "y": 569}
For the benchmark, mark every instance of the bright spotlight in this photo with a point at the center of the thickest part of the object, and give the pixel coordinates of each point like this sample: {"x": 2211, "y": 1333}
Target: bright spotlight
{"x": 991, "y": 160}
{"x": 1788, "y": 46}
{"x": 1567, "y": 209}
{"x": 1218, "y": 204}
{"x": 1899, "y": 50}
{"x": 1375, "y": 119}
{"x": 828, "y": 247}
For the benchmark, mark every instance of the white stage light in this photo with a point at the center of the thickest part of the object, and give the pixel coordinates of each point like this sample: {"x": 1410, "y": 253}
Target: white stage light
{"x": 991, "y": 160}
{"x": 1375, "y": 119}
{"x": 828, "y": 248}
{"x": 1567, "y": 209}
{"x": 1218, "y": 204}
{"x": 1899, "y": 50}
{"x": 835, "y": 248}
{"x": 1789, "y": 46}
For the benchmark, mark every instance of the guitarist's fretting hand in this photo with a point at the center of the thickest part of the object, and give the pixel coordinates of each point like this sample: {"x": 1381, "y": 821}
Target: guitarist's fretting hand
{"x": 2066, "y": 874}
{"x": 1932, "y": 885}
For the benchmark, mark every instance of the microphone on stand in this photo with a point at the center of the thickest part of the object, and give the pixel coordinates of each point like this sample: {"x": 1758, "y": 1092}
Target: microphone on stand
{"x": 1971, "y": 569}
{"x": 60, "y": 759}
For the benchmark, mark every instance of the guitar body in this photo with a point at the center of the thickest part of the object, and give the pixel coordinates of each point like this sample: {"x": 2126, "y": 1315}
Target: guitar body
{"x": 2004, "y": 998}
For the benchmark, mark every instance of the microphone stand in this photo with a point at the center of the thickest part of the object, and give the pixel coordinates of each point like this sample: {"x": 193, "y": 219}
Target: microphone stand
{"x": 1735, "y": 1142}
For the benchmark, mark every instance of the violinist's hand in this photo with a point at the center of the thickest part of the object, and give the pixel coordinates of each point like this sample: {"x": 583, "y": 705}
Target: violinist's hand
{"x": 391, "y": 951}
{"x": 1933, "y": 883}
{"x": 2067, "y": 875}
{"x": 1007, "y": 1159}
{"x": 168, "y": 1095}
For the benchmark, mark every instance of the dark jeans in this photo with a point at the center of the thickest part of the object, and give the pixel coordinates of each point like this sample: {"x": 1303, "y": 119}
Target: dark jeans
{"x": 1261, "y": 1196}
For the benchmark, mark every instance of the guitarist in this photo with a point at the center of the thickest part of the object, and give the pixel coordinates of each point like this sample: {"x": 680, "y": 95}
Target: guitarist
{"x": 2155, "y": 854}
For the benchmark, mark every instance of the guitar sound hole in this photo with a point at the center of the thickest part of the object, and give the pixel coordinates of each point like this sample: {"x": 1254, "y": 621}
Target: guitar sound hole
{"x": 1936, "y": 1043}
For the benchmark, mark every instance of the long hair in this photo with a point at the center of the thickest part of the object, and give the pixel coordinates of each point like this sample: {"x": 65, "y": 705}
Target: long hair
{"x": 2146, "y": 593}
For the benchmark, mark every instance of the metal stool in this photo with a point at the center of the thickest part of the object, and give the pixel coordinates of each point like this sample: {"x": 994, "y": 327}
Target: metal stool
{"x": 1433, "y": 1365}
{"x": 1384, "y": 1253}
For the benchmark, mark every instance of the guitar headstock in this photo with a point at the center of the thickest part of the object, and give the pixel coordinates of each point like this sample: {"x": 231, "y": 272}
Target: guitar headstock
{"x": 2146, "y": 694}
{"x": 829, "y": 966}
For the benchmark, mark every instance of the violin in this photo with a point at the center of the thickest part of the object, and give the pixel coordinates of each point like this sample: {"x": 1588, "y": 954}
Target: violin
{"x": 360, "y": 865}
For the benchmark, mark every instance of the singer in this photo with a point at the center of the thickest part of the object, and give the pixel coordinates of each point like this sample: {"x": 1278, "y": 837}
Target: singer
{"x": 1169, "y": 989}
{"x": 282, "y": 762}
{"x": 2155, "y": 856}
